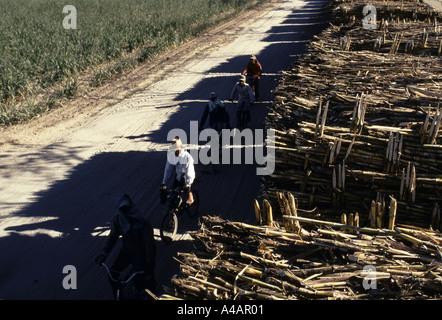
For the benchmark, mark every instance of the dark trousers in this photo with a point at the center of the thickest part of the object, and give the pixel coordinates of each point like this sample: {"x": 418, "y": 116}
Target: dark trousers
{"x": 141, "y": 281}
{"x": 244, "y": 106}
{"x": 179, "y": 183}
{"x": 256, "y": 84}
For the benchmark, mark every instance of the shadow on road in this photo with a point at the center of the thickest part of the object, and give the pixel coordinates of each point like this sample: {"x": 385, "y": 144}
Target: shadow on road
{"x": 74, "y": 213}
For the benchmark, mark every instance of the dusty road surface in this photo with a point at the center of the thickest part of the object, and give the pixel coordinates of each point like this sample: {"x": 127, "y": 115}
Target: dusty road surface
{"x": 435, "y": 4}
{"x": 60, "y": 174}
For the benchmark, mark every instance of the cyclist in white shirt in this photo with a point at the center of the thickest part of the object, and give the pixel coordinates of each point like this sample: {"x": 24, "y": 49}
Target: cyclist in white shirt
{"x": 183, "y": 162}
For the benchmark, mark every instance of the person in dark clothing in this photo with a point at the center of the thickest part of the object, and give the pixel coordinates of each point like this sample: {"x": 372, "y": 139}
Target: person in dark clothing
{"x": 138, "y": 250}
{"x": 216, "y": 112}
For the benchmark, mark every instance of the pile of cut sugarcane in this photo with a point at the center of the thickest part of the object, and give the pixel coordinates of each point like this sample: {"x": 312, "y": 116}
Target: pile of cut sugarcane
{"x": 308, "y": 259}
{"x": 357, "y": 186}
{"x": 358, "y": 118}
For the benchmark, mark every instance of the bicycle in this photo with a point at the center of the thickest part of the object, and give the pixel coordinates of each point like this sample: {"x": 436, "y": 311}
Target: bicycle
{"x": 125, "y": 288}
{"x": 219, "y": 126}
{"x": 251, "y": 80}
{"x": 242, "y": 117}
{"x": 177, "y": 205}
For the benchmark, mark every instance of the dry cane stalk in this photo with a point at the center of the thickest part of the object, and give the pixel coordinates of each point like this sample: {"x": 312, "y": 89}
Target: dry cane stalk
{"x": 425, "y": 125}
{"x": 392, "y": 214}
{"x": 324, "y": 118}
{"x": 351, "y": 221}
{"x": 283, "y": 208}
{"x": 399, "y": 152}
{"x": 343, "y": 220}
{"x": 257, "y": 212}
{"x": 432, "y": 128}
{"x": 356, "y": 222}
{"x": 294, "y": 211}
{"x": 268, "y": 210}
{"x": 279, "y": 196}
{"x": 356, "y": 114}
{"x": 401, "y": 190}
{"x": 340, "y": 225}
{"x": 349, "y": 148}
{"x": 395, "y": 150}
{"x": 372, "y": 214}
{"x": 318, "y": 115}
{"x": 332, "y": 152}
{"x": 413, "y": 184}
{"x": 379, "y": 215}
{"x": 338, "y": 148}
{"x": 389, "y": 149}
{"x": 436, "y": 130}
{"x": 286, "y": 208}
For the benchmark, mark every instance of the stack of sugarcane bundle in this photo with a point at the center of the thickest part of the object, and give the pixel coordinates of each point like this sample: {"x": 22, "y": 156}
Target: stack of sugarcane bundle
{"x": 400, "y": 26}
{"x": 308, "y": 259}
{"x": 348, "y": 12}
{"x": 356, "y": 124}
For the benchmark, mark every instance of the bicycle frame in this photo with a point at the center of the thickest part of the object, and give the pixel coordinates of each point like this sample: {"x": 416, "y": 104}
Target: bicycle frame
{"x": 175, "y": 200}
{"x": 251, "y": 81}
{"x": 120, "y": 282}
{"x": 176, "y": 207}
{"x": 242, "y": 116}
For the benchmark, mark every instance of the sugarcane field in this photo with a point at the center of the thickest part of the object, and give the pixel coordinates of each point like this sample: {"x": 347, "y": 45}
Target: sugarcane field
{"x": 353, "y": 208}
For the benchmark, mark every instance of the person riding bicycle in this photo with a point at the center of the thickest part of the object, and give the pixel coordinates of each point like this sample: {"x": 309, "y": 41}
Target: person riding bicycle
{"x": 217, "y": 114}
{"x": 138, "y": 250}
{"x": 183, "y": 162}
{"x": 246, "y": 98}
{"x": 254, "y": 69}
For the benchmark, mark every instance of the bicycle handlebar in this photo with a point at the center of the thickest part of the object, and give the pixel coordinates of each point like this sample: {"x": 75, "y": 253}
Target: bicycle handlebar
{"x": 116, "y": 280}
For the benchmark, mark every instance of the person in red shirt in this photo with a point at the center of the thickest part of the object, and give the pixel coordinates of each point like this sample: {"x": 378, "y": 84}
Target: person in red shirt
{"x": 254, "y": 69}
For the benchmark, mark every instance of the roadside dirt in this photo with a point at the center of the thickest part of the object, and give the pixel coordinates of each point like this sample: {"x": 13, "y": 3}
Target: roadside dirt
{"x": 61, "y": 173}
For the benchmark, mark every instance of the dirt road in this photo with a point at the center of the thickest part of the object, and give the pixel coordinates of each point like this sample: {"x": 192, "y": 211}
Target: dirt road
{"x": 60, "y": 175}
{"x": 435, "y": 4}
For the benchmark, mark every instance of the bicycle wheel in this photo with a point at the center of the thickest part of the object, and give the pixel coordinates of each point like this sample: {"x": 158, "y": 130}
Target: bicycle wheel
{"x": 246, "y": 118}
{"x": 129, "y": 289}
{"x": 129, "y": 292}
{"x": 193, "y": 209}
{"x": 216, "y": 166}
{"x": 240, "y": 119}
{"x": 169, "y": 227}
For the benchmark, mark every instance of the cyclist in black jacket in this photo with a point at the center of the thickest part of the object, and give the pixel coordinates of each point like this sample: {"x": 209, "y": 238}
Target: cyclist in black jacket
{"x": 217, "y": 114}
{"x": 138, "y": 250}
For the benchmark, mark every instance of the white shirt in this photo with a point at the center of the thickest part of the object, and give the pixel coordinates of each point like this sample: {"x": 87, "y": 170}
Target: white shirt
{"x": 183, "y": 167}
{"x": 245, "y": 93}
